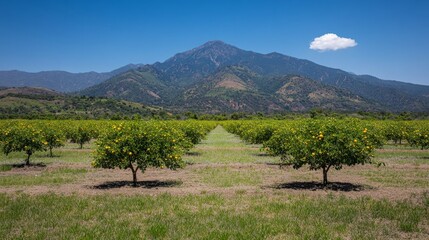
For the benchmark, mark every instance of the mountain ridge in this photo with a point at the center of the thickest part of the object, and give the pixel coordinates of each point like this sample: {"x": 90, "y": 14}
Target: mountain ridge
{"x": 169, "y": 83}
{"x": 58, "y": 80}
{"x": 194, "y": 71}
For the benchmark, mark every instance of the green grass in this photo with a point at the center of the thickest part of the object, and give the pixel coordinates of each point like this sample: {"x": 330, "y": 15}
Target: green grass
{"x": 237, "y": 214}
{"x": 209, "y": 217}
{"x": 404, "y": 154}
{"x": 223, "y": 147}
{"x": 391, "y": 177}
{"x": 54, "y": 177}
{"x": 5, "y": 168}
{"x": 224, "y": 176}
{"x": 219, "y": 137}
{"x": 70, "y": 153}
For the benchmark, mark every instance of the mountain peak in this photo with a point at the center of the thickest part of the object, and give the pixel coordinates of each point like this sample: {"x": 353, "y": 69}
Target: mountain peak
{"x": 211, "y": 49}
{"x": 200, "y": 61}
{"x": 215, "y": 47}
{"x": 214, "y": 42}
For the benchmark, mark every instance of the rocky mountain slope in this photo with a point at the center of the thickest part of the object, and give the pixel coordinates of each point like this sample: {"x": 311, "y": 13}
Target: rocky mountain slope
{"x": 217, "y": 77}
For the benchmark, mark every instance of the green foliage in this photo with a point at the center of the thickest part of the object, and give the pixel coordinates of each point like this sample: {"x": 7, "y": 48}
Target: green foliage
{"x": 195, "y": 131}
{"x": 397, "y": 131}
{"x": 24, "y": 137}
{"x": 419, "y": 137}
{"x": 322, "y": 144}
{"x": 139, "y": 146}
{"x": 254, "y": 132}
{"x": 54, "y": 137}
{"x": 35, "y": 103}
{"x": 80, "y": 134}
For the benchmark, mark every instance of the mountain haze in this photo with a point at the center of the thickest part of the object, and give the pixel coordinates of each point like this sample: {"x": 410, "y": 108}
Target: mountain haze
{"x": 58, "y": 80}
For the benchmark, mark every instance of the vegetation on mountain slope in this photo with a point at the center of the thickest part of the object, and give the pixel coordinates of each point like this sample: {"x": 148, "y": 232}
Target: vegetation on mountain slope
{"x": 217, "y": 77}
{"x": 45, "y": 103}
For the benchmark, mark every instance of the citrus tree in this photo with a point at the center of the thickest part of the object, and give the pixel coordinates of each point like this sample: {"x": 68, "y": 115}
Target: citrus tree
{"x": 137, "y": 146}
{"x": 254, "y": 131}
{"x": 397, "y": 131}
{"x": 419, "y": 137}
{"x": 194, "y": 131}
{"x": 80, "y": 134}
{"x": 54, "y": 137}
{"x": 324, "y": 144}
{"x": 23, "y": 137}
{"x": 258, "y": 133}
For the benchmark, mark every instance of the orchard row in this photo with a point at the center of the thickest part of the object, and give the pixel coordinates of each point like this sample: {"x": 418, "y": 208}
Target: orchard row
{"x": 414, "y": 133}
{"x": 136, "y": 145}
{"x": 30, "y": 136}
{"x": 329, "y": 143}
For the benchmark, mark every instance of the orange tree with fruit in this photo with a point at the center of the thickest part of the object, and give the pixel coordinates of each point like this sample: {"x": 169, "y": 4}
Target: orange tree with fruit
{"x": 23, "y": 137}
{"x": 325, "y": 144}
{"x": 420, "y": 136}
{"x": 140, "y": 145}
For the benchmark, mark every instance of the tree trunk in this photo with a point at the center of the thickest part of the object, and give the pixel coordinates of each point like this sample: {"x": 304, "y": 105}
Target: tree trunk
{"x": 134, "y": 171}
{"x": 135, "y": 178}
{"x": 325, "y": 175}
{"x": 81, "y": 145}
{"x": 50, "y": 152}
{"x": 27, "y": 161}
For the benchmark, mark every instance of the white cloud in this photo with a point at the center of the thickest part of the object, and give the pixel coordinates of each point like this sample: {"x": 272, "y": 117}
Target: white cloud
{"x": 331, "y": 41}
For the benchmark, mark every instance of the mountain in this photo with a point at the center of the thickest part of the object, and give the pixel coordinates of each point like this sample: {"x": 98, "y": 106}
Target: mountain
{"x": 229, "y": 89}
{"x": 28, "y": 91}
{"x": 188, "y": 67}
{"x": 58, "y": 80}
{"x": 124, "y": 69}
{"x": 193, "y": 65}
{"x": 218, "y": 77}
{"x": 237, "y": 88}
{"x": 28, "y": 102}
{"x": 143, "y": 84}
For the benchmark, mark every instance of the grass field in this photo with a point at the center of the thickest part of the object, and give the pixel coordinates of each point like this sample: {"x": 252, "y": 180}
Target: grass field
{"x": 229, "y": 190}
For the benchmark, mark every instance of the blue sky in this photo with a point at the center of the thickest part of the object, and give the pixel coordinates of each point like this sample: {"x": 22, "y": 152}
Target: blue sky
{"x": 100, "y": 35}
